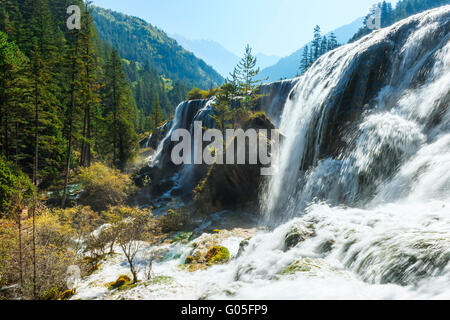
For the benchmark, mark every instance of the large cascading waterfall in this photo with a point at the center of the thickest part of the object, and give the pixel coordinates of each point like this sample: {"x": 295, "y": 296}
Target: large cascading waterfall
{"x": 362, "y": 122}
{"x": 364, "y": 173}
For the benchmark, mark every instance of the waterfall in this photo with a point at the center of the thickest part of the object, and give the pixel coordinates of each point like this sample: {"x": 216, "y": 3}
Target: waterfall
{"x": 183, "y": 119}
{"x": 364, "y": 124}
{"x": 274, "y": 96}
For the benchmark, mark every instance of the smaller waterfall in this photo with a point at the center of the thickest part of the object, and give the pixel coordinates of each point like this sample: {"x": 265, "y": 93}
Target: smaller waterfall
{"x": 274, "y": 96}
{"x": 183, "y": 119}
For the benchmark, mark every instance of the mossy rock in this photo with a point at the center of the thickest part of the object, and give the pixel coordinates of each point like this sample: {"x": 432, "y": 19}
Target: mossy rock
{"x": 120, "y": 282}
{"x": 296, "y": 235}
{"x": 50, "y": 294}
{"x": 244, "y": 244}
{"x": 189, "y": 260}
{"x": 217, "y": 255}
{"x": 66, "y": 295}
{"x": 302, "y": 265}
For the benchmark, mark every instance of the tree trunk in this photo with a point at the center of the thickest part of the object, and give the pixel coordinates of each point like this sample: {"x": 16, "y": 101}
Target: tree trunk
{"x": 35, "y": 182}
{"x": 6, "y": 130}
{"x": 69, "y": 143}
{"x": 17, "y": 144}
{"x": 19, "y": 225}
{"x": 83, "y": 142}
{"x": 89, "y": 154}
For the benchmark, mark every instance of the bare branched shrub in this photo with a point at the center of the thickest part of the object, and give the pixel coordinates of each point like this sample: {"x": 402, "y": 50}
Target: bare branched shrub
{"x": 132, "y": 226}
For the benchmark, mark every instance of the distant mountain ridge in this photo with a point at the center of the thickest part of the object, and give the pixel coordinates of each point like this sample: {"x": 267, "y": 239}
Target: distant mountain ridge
{"x": 265, "y": 61}
{"x": 288, "y": 67}
{"x": 137, "y": 40}
{"x": 211, "y": 52}
{"x": 220, "y": 58}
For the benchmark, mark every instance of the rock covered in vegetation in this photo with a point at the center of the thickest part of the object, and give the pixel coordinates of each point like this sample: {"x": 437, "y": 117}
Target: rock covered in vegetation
{"x": 120, "y": 282}
{"x": 217, "y": 255}
{"x": 307, "y": 265}
{"x": 297, "y": 234}
{"x": 233, "y": 186}
{"x": 66, "y": 295}
{"x": 209, "y": 249}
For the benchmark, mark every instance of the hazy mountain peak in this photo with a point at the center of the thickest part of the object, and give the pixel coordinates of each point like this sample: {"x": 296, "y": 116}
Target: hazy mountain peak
{"x": 217, "y": 56}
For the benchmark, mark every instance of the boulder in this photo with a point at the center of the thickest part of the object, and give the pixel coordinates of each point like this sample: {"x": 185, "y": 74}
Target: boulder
{"x": 297, "y": 234}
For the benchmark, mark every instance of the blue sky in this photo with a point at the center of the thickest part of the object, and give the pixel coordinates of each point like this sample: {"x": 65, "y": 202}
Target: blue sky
{"x": 272, "y": 27}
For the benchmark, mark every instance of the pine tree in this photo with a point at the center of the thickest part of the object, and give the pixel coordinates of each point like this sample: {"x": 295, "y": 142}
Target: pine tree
{"x": 324, "y": 45}
{"x": 332, "y": 42}
{"x": 305, "y": 62}
{"x": 386, "y": 14}
{"x": 244, "y": 75}
{"x": 45, "y": 61}
{"x": 156, "y": 116}
{"x": 316, "y": 44}
{"x": 13, "y": 98}
{"x": 88, "y": 84}
{"x": 223, "y": 114}
{"x": 119, "y": 112}
{"x": 73, "y": 108}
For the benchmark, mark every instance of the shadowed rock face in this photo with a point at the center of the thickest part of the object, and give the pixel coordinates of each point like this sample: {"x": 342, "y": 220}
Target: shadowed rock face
{"x": 233, "y": 186}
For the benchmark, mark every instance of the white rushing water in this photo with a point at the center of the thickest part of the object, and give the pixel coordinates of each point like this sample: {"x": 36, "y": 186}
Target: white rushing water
{"x": 372, "y": 222}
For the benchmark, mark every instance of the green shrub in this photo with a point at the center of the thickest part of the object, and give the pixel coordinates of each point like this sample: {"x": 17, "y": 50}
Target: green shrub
{"x": 104, "y": 187}
{"x": 196, "y": 94}
{"x": 15, "y": 187}
{"x": 173, "y": 221}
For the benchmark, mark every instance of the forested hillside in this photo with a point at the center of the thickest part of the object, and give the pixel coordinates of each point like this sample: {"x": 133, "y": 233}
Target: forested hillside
{"x": 71, "y": 112}
{"x": 141, "y": 42}
{"x": 402, "y": 10}
{"x": 65, "y": 96}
